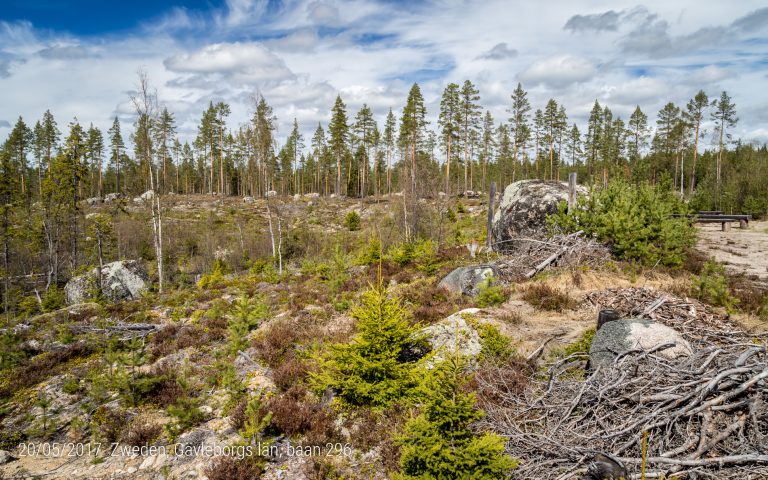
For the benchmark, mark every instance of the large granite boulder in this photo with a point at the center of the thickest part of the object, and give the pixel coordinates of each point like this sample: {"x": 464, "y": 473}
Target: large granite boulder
{"x": 467, "y": 280}
{"x": 121, "y": 280}
{"x": 145, "y": 197}
{"x": 618, "y": 336}
{"x": 453, "y": 335}
{"x": 524, "y": 207}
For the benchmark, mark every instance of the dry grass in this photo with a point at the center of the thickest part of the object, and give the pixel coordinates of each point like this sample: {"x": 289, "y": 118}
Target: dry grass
{"x": 227, "y": 467}
{"x": 546, "y": 297}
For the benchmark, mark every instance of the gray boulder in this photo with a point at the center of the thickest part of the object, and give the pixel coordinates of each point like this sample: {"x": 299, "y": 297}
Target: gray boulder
{"x": 6, "y": 457}
{"x": 467, "y": 280}
{"x": 524, "y": 207}
{"x": 248, "y": 200}
{"x": 145, "y": 197}
{"x": 453, "y": 335}
{"x": 271, "y": 193}
{"x": 112, "y": 197}
{"x": 619, "y": 336}
{"x": 121, "y": 280}
{"x": 93, "y": 201}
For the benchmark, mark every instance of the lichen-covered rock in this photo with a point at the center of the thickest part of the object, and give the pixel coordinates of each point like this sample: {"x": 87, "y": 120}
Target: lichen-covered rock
{"x": 453, "y": 335}
{"x": 248, "y": 200}
{"x": 619, "y": 336}
{"x": 121, "y": 280}
{"x": 467, "y": 280}
{"x": 112, "y": 197}
{"x": 524, "y": 207}
{"x": 270, "y": 194}
{"x": 145, "y": 197}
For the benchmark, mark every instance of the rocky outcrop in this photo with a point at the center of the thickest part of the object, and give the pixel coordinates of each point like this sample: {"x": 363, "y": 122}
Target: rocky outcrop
{"x": 121, "y": 280}
{"x": 618, "y": 336}
{"x": 112, "y": 197}
{"x": 453, "y": 335}
{"x": 523, "y": 210}
{"x": 145, "y": 197}
{"x": 467, "y": 280}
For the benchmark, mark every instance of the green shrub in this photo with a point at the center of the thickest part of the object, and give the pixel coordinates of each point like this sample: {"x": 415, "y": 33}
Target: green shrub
{"x": 495, "y": 345}
{"x": 712, "y": 286}
{"x": 71, "y": 386}
{"x": 246, "y": 313}
{"x": 53, "y": 299}
{"x": 421, "y": 253}
{"x": 440, "y": 444}
{"x": 490, "y": 294}
{"x": 352, "y": 221}
{"x": 215, "y": 277}
{"x": 371, "y": 253}
{"x": 581, "y": 345}
{"x": 636, "y": 220}
{"x": 371, "y": 370}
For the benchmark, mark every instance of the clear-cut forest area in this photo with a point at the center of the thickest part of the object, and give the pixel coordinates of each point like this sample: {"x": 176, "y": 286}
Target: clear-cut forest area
{"x": 424, "y": 291}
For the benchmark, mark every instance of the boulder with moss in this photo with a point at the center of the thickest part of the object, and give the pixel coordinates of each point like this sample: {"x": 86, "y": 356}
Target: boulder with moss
{"x": 121, "y": 280}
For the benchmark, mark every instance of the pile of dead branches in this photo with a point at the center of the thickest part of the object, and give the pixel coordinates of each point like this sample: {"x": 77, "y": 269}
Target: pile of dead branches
{"x": 703, "y": 416}
{"x": 696, "y": 320}
{"x": 533, "y": 255}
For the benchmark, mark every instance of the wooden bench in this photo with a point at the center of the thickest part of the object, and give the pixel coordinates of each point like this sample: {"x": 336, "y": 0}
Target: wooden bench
{"x": 716, "y": 217}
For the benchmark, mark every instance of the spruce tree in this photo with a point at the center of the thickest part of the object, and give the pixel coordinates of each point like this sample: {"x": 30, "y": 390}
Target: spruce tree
{"x": 449, "y": 121}
{"x": 440, "y": 444}
{"x": 373, "y": 370}
{"x": 339, "y": 131}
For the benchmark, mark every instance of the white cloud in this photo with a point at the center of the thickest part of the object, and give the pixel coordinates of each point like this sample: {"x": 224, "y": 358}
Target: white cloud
{"x": 239, "y": 62}
{"x": 500, "y": 51}
{"x": 558, "y": 71}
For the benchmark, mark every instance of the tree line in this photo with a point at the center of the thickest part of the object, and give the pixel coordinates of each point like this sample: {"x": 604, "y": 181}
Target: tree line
{"x": 45, "y": 174}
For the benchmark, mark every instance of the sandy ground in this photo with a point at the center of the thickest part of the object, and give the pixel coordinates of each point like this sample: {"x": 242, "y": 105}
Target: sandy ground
{"x": 740, "y": 250}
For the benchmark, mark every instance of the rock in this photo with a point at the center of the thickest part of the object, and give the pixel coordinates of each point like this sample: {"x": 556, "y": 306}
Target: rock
{"x": 6, "y": 457}
{"x": 524, "y": 207}
{"x": 145, "y": 197}
{"x": 248, "y": 200}
{"x": 441, "y": 195}
{"x": 467, "y": 280}
{"x": 618, "y": 336}
{"x": 119, "y": 281}
{"x": 453, "y": 334}
{"x": 296, "y": 197}
{"x": 270, "y": 194}
{"x": 93, "y": 201}
{"x": 312, "y": 195}
{"x": 112, "y": 197}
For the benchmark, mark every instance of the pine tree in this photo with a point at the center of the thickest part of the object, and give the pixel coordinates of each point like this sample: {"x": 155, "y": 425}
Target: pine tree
{"x": 263, "y": 125}
{"x": 440, "y": 444}
{"x": 319, "y": 153}
{"x": 363, "y": 129}
{"x": 488, "y": 144}
{"x": 389, "y": 143}
{"x": 638, "y": 133}
{"x": 413, "y": 131}
{"x": 594, "y": 136}
{"x": 19, "y": 145}
{"x": 164, "y": 130}
{"x": 115, "y": 146}
{"x": 574, "y": 145}
{"x": 724, "y": 117}
{"x": 550, "y": 133}
{"x": 449, "y": 121}
{"x": 520, "y": 112}
{"x": 470, "y": 113}
{"x": 339, "y": 131}
{"x": 694, "y": 115}
{"x": 94, "y": 154}
{"x": 8, "y": 196}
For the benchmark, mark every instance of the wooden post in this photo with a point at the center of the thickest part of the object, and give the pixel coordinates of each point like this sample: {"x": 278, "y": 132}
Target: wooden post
{"x": 571, "y": 192}
{"x": 489, "y": 233}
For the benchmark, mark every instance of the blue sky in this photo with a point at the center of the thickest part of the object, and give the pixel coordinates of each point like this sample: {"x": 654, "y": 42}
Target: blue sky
{"x": 80, "y": 58}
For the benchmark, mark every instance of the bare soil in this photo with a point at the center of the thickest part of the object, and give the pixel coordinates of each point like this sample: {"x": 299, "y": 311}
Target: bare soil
{"x": 741, "y": 251}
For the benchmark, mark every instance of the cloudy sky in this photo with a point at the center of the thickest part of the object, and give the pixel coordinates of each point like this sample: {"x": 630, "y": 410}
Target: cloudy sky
{"x": 79, "y": 58}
